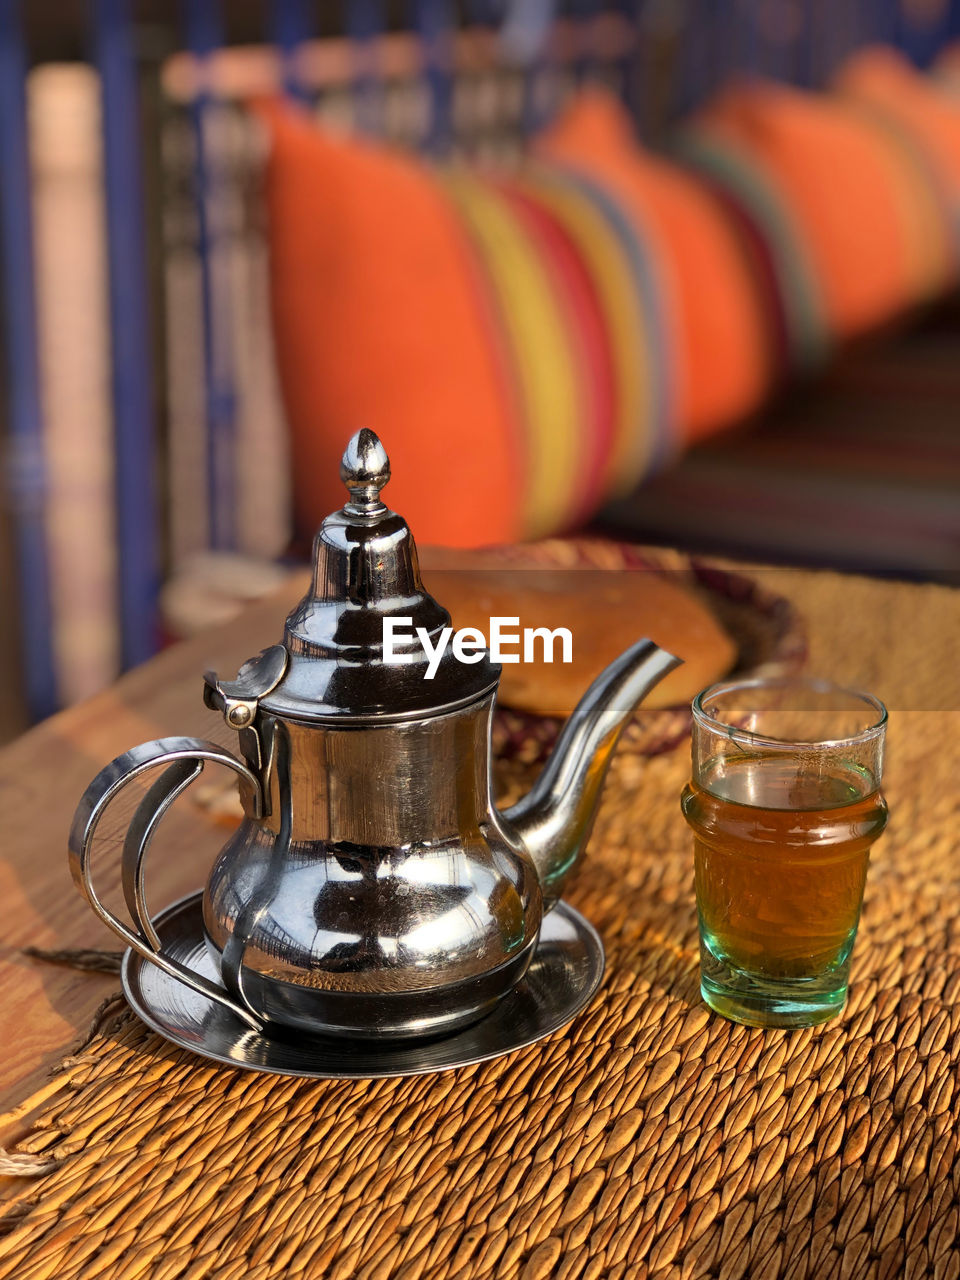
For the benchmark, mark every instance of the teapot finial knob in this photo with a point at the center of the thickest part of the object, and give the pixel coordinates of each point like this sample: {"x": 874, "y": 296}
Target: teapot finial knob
{"x": 365, "y": 469}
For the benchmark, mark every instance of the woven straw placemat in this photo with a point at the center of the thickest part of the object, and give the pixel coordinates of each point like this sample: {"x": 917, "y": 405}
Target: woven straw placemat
{"x": 649, "y": 1138}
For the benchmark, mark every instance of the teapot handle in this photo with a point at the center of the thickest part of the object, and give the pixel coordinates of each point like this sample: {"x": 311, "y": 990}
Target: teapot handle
{"x": 185, "y": 758}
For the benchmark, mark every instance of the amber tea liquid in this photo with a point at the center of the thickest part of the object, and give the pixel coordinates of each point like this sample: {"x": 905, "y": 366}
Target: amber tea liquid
{"x": 781, "y": 848}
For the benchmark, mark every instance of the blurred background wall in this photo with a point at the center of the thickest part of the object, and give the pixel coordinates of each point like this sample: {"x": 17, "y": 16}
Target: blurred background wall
{"x": 147, "y": 469}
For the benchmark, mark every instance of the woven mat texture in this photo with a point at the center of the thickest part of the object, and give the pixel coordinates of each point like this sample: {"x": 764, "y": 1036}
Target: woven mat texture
{"x": 649, "y": 1138}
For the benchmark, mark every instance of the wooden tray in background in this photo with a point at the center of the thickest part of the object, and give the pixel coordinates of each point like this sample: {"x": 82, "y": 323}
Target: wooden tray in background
{"x": 768, "y": 631}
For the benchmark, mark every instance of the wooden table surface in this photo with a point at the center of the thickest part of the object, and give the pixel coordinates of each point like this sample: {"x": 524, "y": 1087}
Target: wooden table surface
{"x": 42, "y": 775}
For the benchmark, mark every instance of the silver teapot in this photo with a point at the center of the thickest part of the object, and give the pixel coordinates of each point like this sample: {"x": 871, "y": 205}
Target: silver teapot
{"x": 372, "y": 889}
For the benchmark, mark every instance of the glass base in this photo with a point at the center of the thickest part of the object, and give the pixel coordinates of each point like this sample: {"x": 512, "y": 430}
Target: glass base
{"x": 771, "y": 1002}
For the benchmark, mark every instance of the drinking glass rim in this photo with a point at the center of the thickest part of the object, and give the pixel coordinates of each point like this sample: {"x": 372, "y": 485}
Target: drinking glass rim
{"x": 703, "y": 717}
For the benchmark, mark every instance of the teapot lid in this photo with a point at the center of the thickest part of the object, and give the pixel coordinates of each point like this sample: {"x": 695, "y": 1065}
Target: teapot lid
{"x": 366, "y": 572}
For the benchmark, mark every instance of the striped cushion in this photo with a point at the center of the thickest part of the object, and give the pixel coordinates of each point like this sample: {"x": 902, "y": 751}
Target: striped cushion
{"x": 506, "y": 336}
{"x": 381, "y": 319}
{"x": 924, "y": 117}
{"x": 852, "y": 231}
{"x": 718, "y": 324}
{"x": 589, "y": 326}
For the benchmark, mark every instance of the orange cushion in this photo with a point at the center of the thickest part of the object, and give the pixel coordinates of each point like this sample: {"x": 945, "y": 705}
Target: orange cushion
{"x": 839, "y": 179}
{"x": 381, "y": 321}
{"x": 922, "y": 115}
{"x": 718, "y": 327}
{"x": 926, "y": 114}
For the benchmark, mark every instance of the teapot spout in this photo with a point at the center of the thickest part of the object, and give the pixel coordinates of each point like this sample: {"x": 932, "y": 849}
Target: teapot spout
{"x": 555, "y": 818}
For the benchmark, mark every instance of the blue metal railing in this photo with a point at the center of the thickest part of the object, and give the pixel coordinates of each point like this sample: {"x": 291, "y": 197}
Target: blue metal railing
{"x": 291, "y": 25}
{"x": 365, "y": 21}
{"x": 205, "y": 34}
{"x": 434, "y": 22}
{"x": 133, "y": 409}
{"x": 24, "y": 453}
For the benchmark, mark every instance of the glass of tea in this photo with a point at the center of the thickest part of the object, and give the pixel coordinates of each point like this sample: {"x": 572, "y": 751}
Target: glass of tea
{"x": 784, "y": 804}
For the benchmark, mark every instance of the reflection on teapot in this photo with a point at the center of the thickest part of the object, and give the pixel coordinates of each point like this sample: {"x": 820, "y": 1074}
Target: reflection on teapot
{"x": 372, "y": 889}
